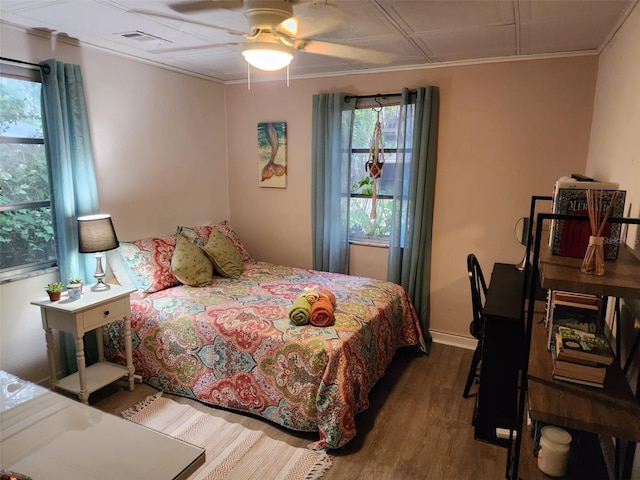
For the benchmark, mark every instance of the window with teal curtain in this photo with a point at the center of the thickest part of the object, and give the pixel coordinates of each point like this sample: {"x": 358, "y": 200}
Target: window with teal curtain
{"x": 330, "y": 153}
{"x": 411, "y": 233}
{"x": 409, "y": 260}
{"x": 27, "y": 240}
{"x": 72, "y": 179}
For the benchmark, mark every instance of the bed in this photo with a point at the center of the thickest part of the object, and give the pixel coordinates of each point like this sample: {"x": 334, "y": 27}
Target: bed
{"x": 230, "y": 342}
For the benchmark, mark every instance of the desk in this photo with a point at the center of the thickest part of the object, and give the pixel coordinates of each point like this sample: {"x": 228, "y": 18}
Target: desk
{"x": 46, "y": 435}
{"x": 496, "y": 405}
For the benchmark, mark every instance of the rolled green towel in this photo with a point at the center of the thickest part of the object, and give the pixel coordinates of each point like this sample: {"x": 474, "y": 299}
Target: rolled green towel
{"x": 300, "y": 311}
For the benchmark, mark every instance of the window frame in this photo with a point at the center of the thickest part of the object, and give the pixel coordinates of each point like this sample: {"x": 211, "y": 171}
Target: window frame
{"x": 362, "y": 104}
{"x": 29, "y": 74}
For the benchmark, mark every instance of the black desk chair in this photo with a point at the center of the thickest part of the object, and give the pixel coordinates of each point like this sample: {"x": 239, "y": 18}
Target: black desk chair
{"x": 478, "y": 296}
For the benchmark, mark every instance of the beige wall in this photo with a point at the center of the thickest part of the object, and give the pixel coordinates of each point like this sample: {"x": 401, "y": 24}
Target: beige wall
{"x": 160, "y": 157}
{"x": 614, "y": 153}
{"x": 614, "y": 149}
{"x": 507, "y": 131}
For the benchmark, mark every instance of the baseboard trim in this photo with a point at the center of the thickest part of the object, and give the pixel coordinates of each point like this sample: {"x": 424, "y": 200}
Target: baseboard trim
{"x": 454, "y": 340}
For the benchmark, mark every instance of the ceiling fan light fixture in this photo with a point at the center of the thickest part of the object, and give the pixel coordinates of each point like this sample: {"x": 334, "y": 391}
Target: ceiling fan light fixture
{"x": 268, "y": 56}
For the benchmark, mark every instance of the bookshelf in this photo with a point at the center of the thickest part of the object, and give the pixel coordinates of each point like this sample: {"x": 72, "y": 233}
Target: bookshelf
{"x": 587, "y": 463}
{"x": 611, "y": 411}
{"x": 621, "y": 278}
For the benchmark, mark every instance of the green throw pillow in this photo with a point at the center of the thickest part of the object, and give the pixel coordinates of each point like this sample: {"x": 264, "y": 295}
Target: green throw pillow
{"x": 226, "y": 258}
{"x": 189, "y": 264}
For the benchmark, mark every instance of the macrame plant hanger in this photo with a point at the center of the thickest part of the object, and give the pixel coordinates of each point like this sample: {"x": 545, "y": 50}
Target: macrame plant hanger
{"x": 376, "y": 160}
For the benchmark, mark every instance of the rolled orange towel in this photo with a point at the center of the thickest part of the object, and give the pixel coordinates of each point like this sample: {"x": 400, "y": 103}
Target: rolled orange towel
{"x": 329, "y": 294}
{"x": 322, "y": 310}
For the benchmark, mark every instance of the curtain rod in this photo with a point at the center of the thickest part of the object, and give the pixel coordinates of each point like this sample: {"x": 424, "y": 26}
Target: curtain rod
{"x": 45, "y": 68}
{"x": 347, "y": 98}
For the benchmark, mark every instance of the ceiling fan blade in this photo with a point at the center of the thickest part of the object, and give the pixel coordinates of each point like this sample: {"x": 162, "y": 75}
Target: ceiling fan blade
{"x": 295, "y": 27}
{"x": 343, "y": 51}
{"x": 314, "y": 19}
{"x": 289, "y": 27}
{"x": 201, "y": 5}
{"x": 151, "y": 13}
{"x": 317, "y": 27}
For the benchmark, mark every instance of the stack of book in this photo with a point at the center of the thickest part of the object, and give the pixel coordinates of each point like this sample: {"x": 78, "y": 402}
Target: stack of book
{"x": 572, "y": 310}
{"x": 581, "y": 353}
{"x": 581, "y": 357}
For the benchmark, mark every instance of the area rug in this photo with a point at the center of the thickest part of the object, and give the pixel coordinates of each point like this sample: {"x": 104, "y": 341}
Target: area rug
{"x": 232, "y": 451}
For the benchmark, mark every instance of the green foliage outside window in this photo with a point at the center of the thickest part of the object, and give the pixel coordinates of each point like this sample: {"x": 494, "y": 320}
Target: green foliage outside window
{"x": 26, "y": 226}
{"x": 361, "y": 226}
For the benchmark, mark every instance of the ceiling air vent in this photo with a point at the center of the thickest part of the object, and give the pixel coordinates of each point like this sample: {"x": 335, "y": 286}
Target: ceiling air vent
{"x": 145, "y": 37}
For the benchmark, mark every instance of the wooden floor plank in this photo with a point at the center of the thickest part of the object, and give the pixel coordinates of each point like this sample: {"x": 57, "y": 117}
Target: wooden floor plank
{"x": 418, "y": 426}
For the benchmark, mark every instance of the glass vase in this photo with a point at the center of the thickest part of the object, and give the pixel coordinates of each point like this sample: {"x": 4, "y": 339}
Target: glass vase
{"x": 593, "y": 262}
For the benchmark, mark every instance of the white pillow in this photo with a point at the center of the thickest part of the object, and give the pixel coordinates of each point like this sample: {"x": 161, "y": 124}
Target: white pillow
{"x": 115, "y": 264}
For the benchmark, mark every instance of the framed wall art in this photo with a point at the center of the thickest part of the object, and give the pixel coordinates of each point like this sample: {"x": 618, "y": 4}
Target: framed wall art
{"x": 272, "y": 154}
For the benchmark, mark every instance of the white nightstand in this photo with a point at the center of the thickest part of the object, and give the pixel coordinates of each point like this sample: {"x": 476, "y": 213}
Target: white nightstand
{"x": 92, "y": 310}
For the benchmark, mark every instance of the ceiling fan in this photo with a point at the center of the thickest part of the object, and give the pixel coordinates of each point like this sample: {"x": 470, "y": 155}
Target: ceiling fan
{"x": 273, "y": 38}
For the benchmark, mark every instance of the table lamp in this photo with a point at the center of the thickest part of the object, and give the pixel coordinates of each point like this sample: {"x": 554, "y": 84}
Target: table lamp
{"x": 96, "y": 235}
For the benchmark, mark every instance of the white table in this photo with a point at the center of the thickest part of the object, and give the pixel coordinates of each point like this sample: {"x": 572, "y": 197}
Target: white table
{"x": 91, "y": 311}
{"x": 45, "y": 435}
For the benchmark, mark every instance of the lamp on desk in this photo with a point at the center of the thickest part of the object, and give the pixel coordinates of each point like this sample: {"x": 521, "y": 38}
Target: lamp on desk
{"x": 96, "y": 235}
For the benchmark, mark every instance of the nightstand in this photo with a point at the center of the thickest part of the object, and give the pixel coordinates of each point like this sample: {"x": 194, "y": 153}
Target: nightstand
{"x": 90, "y": 312}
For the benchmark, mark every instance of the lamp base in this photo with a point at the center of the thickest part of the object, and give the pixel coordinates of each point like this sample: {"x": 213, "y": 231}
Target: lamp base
{"x": 100, "y": 286}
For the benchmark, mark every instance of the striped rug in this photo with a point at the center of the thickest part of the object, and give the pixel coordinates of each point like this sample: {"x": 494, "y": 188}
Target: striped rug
{"x": 232, "y": 451}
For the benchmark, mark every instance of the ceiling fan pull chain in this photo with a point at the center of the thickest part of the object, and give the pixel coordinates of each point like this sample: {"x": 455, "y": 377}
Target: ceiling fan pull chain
{"x": 248, "y": 77}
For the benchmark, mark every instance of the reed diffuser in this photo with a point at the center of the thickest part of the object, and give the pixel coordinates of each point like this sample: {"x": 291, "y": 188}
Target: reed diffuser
{"x": 593, "y": 262}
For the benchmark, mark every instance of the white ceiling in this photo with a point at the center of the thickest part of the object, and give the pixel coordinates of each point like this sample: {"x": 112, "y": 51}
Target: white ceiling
{"x": 416, "y": 33}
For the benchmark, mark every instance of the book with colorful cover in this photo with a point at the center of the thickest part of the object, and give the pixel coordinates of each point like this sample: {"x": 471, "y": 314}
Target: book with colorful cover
{"x": 575, "y": 344}
{"x": 573, "y": 310}
{"x": 570, "y": 238}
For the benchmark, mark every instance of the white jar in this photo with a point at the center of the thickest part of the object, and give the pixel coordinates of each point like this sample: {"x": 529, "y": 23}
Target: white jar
{"x": 553, "y": 454}
{"x": 74, "y": 290}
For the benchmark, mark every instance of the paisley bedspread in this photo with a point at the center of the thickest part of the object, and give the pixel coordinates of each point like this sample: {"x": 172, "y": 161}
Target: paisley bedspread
{"x": 231, "y": 344}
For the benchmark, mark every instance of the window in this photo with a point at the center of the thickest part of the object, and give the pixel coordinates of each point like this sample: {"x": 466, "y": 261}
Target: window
{"x": 363, "y": 228}
{"x": 26, "y": 226}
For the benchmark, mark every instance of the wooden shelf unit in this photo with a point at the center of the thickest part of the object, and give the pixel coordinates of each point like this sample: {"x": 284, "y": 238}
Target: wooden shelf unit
{"x": 587, "y": 463}
{"x": 621, "y": 277}
{"x": 611, "y": 411}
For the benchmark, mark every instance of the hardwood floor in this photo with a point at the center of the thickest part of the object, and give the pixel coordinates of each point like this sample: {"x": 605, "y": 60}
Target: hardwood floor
{"x": 418, "y": 426}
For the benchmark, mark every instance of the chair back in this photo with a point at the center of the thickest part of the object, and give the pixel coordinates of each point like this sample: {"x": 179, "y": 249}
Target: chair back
{"x": 478, "y": 294}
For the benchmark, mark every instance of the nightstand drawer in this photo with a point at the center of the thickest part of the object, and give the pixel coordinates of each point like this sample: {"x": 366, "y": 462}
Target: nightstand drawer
{"x": 104, "y": 314}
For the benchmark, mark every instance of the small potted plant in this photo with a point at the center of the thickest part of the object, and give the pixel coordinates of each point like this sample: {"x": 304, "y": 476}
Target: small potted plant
{"x": 74, "y": 288}
{"x": 54, "y": 290}
{"x": 75, "y": 282}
